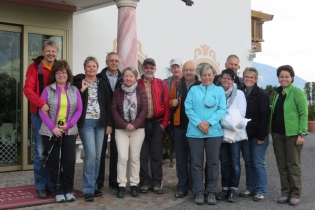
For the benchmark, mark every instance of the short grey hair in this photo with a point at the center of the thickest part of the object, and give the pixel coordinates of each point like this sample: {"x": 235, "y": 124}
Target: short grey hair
{"x": 90, "y": 58}
{"x": 132, "y": 69}
{"x": 251, "y": 70}
{"x": 111, "y": 53}
{"x": 232, "y": 56}
{"x": 205, "y": 67}
{"x": 50, "y": 43}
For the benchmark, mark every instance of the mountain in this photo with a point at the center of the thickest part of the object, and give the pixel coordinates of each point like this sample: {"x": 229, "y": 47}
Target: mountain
{"x": 268, "y": 76}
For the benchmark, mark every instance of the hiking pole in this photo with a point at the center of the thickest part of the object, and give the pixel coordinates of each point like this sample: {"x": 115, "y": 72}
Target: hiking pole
{"x": 40, "y": 174}
{"x": 59, "y": 166}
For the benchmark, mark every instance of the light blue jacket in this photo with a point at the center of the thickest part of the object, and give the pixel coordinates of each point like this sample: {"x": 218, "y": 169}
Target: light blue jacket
{"x": 197, "y": 112}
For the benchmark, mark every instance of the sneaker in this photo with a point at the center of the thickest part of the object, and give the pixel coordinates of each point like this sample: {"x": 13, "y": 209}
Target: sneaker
{"x": 134, "y": 192}
{"x": 283, "y": 200}
{"x": 98, "y": 193}
{"x": 41, "y": 194}
{"x": 294, "y": 201}
{"x": 157, "y": 190}
{"x": 144, "y": 189}
{"x": 121, "y": 192}
{"x": 232, "y": 196}
{"x": 70, "y": 197}
{"x": 211, "y": 199}
{"x": 259, "y": 198}
{"x": 223, "y": 195}
{"x": 199, "y": 200}
{"x": 88, "y": 197}
{"x": 246, "y": 193}
{"x": 60, "y": 198}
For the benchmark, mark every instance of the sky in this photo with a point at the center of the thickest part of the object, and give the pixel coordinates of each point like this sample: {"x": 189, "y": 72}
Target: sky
{"x": 290, "y": 36}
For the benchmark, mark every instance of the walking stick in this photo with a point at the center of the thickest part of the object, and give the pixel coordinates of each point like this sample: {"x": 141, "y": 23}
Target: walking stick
{"x": 59, "y": 166}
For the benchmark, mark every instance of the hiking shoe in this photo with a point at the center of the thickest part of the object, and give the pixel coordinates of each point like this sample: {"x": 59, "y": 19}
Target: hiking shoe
{"x": 211, "y": 199}
{"x": 199, "y": 200}
{"x": 41, "y": 194}
{"x": 98, "y": 193}
{"x": 70, "y": 197}
{"x": 232, "y": 196}
{"x": 157, "y": 190}
{"x": 144, "y": 189}
{"x": 223, "y": 195}
{"x": 134, "y": 192}
{"x": 283, "y": 200}
{"x": 259, "y": 198}
{"x": 121, "y": 192}
{"x": 294, "y": 201}
{"x": 246, "y": 193}
{"x": 88, "y": 197}
{"x": 60, "y": 198}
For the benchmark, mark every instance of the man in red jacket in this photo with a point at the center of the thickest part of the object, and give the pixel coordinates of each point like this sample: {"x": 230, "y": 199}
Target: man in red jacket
{"x": 155, "y": 123}
{"x": 36, "y": 80}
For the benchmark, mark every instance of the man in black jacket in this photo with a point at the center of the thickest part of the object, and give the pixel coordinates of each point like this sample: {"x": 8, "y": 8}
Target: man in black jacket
{"x": 232, "y": 62}
{"x": 113, "y": 78}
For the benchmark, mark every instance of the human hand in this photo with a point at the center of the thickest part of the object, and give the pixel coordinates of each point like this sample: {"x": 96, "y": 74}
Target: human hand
{"x": 58, "y": 132}
{"x": 84, "y": 86}
{"x": 300, "y": 140}
{"x": 162, "y": 126}
{"x": 259, "y": 142}
{"x": 63, "y": 127}
{"x": 130, "y": 127}
{"x": 45, "y": 109}
{"x": 175, "y": 102}
{"x": 109, "y": 130}
{"x": 204, "y": 127}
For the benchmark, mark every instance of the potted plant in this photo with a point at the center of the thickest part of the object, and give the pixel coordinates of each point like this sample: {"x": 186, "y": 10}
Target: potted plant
{"x": 309, "y": 89}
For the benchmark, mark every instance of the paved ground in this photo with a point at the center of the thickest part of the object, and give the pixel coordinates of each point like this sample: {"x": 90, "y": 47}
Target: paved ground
{"x": 168, "y": 201}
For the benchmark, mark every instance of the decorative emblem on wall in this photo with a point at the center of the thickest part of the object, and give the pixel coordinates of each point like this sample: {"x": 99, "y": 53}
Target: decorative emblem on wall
{"x": 204, "y": 54}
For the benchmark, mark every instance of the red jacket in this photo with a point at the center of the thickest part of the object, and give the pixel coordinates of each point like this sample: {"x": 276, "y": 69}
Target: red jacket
{"x": 161, "y": 107}
{"x": 31, "y": 86}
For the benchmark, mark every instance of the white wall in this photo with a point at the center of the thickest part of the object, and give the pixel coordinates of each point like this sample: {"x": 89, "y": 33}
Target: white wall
{"x": 169, "y": 29}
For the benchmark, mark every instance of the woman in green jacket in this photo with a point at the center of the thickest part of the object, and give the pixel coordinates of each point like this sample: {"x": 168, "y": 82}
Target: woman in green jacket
{"x": 289, "y": 127}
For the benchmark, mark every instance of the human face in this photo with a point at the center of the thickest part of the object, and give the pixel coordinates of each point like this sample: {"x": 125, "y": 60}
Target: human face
{"x": 50, "y": 53}
{"x": 232, "y": 63}
{"x": 129, "y": 78}
{"x": 207, "y": 77}
{"x": 249, "y": 79}
{"x": 226, "y": 81}
{"x": 189, "y": 72}
{"x": 61, "y": 77}
{"x": 176, "y": 70}
{"x": 113, "y": 62}
{"x": 285, "y": 78}
{"x": 90, "y": 69}
{"x": 148, "y": 71}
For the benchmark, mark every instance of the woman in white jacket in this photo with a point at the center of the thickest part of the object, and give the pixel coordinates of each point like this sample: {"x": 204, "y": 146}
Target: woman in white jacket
{"x": 230, "y": 152}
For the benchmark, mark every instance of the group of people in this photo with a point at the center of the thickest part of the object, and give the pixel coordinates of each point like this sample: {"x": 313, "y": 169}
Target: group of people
{"x": 135, "y": 112}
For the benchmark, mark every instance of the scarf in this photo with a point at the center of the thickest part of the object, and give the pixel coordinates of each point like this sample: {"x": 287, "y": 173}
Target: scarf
{"x": 230, "y": 95}
{"x": 130, "y": 102}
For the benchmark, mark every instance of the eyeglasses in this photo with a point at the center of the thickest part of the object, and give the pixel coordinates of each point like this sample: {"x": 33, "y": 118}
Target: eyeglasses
{"x": 248, "y": 77}
{"x": 226, "y": 79}
{"x": 114, "y": 61}
{"x": 215, "y": 101}
{"x": 149, "y": 68}
{"x": 61, "y": 73}
{"x": 188, "y": 70}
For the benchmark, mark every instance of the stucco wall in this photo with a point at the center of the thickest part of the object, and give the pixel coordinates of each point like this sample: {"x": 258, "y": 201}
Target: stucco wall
{"x": 169, "y": 29}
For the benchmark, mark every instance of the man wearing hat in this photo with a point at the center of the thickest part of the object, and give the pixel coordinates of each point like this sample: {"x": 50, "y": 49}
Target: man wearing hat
{"x": 155, "y": 123}
{"x": 176, "y": 69}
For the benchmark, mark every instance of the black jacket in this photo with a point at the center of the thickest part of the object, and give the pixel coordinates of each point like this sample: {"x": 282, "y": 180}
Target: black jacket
{"x": 104, "y": 100}
{"x": 183, "y": 89}
{"x": 258, "y": 111}
{"x": 118, "y": 83}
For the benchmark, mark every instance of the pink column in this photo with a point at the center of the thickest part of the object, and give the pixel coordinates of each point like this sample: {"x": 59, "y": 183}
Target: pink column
{"x": 127, "y": 33}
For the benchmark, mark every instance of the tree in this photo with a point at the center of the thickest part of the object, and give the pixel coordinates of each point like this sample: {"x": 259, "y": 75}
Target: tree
{"x": 309, "y": 89}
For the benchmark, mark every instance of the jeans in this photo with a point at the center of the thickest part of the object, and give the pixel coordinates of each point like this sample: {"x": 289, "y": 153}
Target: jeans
{"x": 256, "y": 171}
{"x": 230, "y": 165}
{"x": 211, "y": 146}
{"x": 182, "y": 160}
{"x": 41, "y": 175}
{"x": 92, "y": 136}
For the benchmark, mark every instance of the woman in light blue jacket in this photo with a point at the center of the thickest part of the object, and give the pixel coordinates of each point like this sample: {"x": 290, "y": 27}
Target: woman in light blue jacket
{"x": 205, "y": 105}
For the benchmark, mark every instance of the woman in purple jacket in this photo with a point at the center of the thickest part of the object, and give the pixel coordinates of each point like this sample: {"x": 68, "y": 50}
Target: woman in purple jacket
{"x": 59, "y": 128}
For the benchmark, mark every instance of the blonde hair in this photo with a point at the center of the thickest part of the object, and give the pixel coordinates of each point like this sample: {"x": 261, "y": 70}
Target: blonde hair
{"x": 90, "y": 58}
{"x": 132, "y": 69}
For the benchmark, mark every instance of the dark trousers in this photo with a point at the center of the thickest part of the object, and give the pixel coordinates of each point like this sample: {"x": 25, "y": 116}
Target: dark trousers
{"x": 66, "y": 177}
{"x": 182, "y": 160}
{"x": 211, "y": 146}
{"x": 152, "y": 146}
{"x": 112, "y": 161}
{"x": 288, "y": 157}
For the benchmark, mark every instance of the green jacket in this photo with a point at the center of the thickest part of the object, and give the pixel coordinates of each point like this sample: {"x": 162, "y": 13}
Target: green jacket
{"x": 295, "y": 110}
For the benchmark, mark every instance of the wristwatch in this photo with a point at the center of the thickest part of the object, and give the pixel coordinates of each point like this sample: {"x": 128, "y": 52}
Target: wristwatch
{"x": 303, "y": 135}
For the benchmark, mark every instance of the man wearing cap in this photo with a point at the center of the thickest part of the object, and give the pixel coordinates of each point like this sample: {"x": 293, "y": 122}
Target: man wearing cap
{"x": 178, "y": 95}
{"x": 155, "y": 123}
{"x": 232, "y": 62}
{"x": 176, "y": 69}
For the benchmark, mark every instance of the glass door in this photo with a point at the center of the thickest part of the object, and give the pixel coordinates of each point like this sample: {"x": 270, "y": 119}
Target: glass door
{"x": 10, "y": 98}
